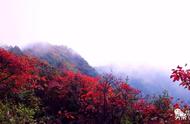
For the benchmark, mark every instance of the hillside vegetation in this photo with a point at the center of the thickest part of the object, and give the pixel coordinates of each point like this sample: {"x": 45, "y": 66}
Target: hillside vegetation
{"x": 38, "y": 86}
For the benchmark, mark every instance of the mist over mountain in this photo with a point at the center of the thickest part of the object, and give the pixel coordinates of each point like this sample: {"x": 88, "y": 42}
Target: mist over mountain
{"x": 60, "y": 57}
{"x": 148, "y": 79}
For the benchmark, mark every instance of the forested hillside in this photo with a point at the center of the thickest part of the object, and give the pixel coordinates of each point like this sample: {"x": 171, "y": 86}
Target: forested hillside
{"x": 60, "y": 57}
{"x": 37, "y": 91}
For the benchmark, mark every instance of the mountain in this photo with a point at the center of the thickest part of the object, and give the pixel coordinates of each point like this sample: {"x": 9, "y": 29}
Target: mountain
{"x": 15, "y": 50}
{"x": 60, "y": 57}
{"x": 148, "y": 79}
{"x": 12, "y": 49}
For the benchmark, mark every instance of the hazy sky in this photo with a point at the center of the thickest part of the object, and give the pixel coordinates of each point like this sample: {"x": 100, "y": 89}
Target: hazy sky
{"x": 152, "y": 32}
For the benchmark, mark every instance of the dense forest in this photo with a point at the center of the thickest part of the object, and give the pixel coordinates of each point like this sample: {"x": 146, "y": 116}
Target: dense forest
{"x": 58, "y": 86}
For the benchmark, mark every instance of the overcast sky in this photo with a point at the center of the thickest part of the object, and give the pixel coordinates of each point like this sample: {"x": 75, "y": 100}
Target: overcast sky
{"x": 122, "y": 32}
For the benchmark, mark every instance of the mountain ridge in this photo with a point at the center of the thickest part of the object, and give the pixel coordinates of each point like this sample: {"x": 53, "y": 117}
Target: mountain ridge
{"x": 58, "y": 56}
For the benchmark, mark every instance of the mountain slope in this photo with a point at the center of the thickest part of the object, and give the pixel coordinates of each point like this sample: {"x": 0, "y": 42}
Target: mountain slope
{"x": 59, "y": 57}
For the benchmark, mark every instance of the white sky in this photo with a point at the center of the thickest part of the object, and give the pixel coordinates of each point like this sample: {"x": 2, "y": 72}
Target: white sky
{"x": 137, "y": 32}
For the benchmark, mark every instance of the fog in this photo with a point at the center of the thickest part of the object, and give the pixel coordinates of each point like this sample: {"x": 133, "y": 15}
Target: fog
{"x": 153, "y": 33}
{"x": 149, "y": 80}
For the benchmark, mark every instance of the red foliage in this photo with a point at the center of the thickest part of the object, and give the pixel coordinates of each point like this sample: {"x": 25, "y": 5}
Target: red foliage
{"x": 75, "y": 97}
{"x": 17, "y": 73}
{"x": 144, "y": 107}
{"x": 182, "y": 75}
